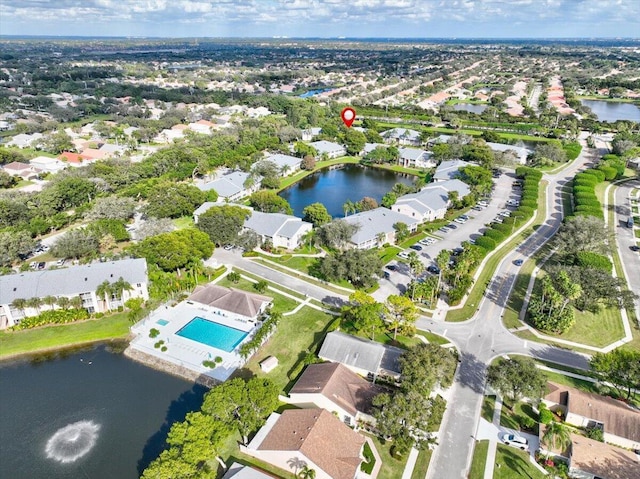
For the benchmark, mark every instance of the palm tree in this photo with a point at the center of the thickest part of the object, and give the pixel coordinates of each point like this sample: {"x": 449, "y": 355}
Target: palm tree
{"x": 64, "y": 302}
{"x": 50, "y": 301}
{"x": 417, "y": 267}
{"x": 284, "y": 169}
{"x": 557, "y": 436}
{"x": 120, "y": 287}
{"x": 76, "y": 302}
{"x": 104, "y": 291}
{"x": 20, "y": 304}
{"x": 380, "y": 238}
{"x": 348, "y": 207}
{"x": 34, "y": 303}
{"x": 307, "y": 473}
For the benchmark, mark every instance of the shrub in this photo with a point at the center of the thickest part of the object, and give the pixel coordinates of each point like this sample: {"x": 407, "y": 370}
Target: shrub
{"x": 209, "y": 364}
{"x": 218, "y": 359}
{"x": 53, "y": 316}
{"x": 486, "y": 243}
{"x": 99, "y": 315}
{"x": 495, "y": 235}
{"x": 158, "y": 344}
{"x": 595, "y": 433}
{"x": 163, "y": 349}
{"x": 506, "y": 229}
{"x": 525, "y": 422}
{"x": 153, "y": 333}
{"x": 610, "y": 173}
{"x": 233, "y": 276}
{"x": 546, "y": 416}
{"x": 597, "y": 173}
{"x": 529, "y": 204}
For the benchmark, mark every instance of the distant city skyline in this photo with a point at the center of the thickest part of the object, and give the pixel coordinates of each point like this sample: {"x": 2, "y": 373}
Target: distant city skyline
{"x": 324, "y": 18}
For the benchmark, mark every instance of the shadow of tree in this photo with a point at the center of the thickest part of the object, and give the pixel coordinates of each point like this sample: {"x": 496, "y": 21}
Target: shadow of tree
{"x": 472, "y": 372}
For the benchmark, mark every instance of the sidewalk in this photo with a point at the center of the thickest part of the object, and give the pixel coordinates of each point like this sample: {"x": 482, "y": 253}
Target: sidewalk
{"x": 493, "y": 442}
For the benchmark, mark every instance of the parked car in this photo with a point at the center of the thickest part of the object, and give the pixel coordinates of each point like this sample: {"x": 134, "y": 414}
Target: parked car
{"x": 42, "y": 265}
{"x": 452, "y": 226}
{"x": 518, "y": 262}
{"x": 515, "y": 441}
{"x": 425, "y": 241}
{"x": 228, "y": 247}
{"x": 634, "y": 248}
{"x": 391, "y": 267}
{"x": 444, "y": 229}
{"x": 416, "y": 247}
{"x": 464, "y": 217}
{"x": 505, "y": 213}
{"x": 433, "y": 269}
{"x": 386, "y": 275}
{"x": 403, "y": 254}
{"x": 60, "y": 262}
{"x": 457, "y": 251}
{"x": 33, "y": 265}
{"x": 483, "y": 203}
{"x": 477, "y": 208}
{"x": 460, "y": 220}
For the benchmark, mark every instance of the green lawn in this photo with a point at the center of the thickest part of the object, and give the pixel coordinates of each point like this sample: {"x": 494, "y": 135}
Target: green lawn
{"x": 183, "y": 222}
{"x": 50, "y": 337}
{"x": 516, "y": 298}
{"x": 512, "y": 462}
{"x": 488, "y": 405}
{"x": 479, "y": 460}
{"x": 294, "y": 336}
{"x": 317, "y": 282}
{"x": 392, "y": 467}
{"x": 422, "y": 464}
{"x": 490, "y": 266}
{"x": 509, "y": 418}
{"x": 434, "y": 338}
{"x": 281, "y": 304}
{"x": 389, "y": 253}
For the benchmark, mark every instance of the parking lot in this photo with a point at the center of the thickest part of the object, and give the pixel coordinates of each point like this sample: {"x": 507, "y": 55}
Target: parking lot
{"x": 398, "y": 278}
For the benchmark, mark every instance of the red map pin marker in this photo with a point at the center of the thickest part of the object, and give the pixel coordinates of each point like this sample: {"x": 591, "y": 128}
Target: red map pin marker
{"x": 348, "y": 116}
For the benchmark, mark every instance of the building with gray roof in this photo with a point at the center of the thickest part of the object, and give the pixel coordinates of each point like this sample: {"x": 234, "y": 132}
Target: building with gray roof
{"x": 402, "y": 136}
{"x": 69, "y": 282}
{"x": 284, "y": 231}
{"x": 520, "y": 153}
{"x": 448, "y": 170}
{"x": 286, "y": 164}
{"x": 331, "y": 149}
{"x": 375, "y": 227}
{"x": 362, "y": 356}
{"x": 431, "y": 202}
{"x": 238, "y": 471}
{"x": 231, "y": 186}
{"x": 415, "y": 158}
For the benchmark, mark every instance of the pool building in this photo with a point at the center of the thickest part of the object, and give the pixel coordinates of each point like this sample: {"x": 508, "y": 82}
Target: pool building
{"x": 209, "y": 326}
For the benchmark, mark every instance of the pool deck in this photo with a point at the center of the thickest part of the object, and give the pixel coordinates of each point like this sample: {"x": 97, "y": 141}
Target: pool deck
{"x": 183, "y": 352}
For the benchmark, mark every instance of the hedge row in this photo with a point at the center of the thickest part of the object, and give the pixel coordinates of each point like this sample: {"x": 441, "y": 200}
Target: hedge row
{"x": 53, "y": 316}
{"x": 585, "y": 201}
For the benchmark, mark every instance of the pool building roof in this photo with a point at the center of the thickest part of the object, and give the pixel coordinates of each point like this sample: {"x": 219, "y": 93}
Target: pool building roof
{"x": 233, "y": 300}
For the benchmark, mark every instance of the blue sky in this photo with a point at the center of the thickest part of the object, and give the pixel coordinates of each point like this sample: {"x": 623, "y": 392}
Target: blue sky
{"x": 323, "y": 18}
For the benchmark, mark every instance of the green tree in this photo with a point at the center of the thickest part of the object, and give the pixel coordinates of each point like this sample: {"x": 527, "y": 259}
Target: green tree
{"x": 19, "y": 304}
{"x": 336, "y": 234}
{"x": 360, "y": 267}
{"x": 364, "y": 313}
{"x": 223, "y": 223}
{"x": 76, "y": 243}
{"x": 104, "y": 292}
{"x": 64, "y": 302}
{"x": 13, "y": 244}
{"x": 113, "y": 208}
{"x": 401, "y": 314}
{"x": 233, "y": 276}
{"x": 557, "y": 436}
{"x": 173, "y": 200}
{"x": 268, "y": 201}
{"x": 620, "y": 367}
{"x": 427, "y": 365}
{"x": 516, "y": 377}
{"x": 402, "y": 231}
{"x": 317, "y": 214}
{"x": 307, "y": 473}
{"x": 417, "y": 268}
{"x": 170, "y": 251}
{"x": 242, "y": 404}
{"x": 354, "y": 141}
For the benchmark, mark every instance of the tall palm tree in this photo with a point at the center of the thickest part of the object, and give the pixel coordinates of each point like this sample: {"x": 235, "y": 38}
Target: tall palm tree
{"x": 104, "y": 291}
{"x": 50, "y": 301}
{"x": 557, "y": 436}
{"x": 34, "y": 303}
{"x": 76, "y": 302}
{"x": 120, "y": 287}
{"x": 63, "y": 302}
{"x": 348, "y": 207}
{"x": 19, "y": 303}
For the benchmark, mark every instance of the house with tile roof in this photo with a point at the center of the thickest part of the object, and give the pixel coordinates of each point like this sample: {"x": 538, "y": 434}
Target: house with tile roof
{"x": 311, "y": 437}
{"x": 23, "y": 170}
{"x": 619, "y": 421}
{"x": 230, "y": 302}
{"x": 69, "y": 282}
{"x": 431, "y": 202}
{"x": 364, "y": 357}
{"x": 24, "y": 140}
{"x": 47, "y": 165}
{"x": 284, "y": 231}
{"x": 375, "y": 227}
{"x": 334, "y": 387}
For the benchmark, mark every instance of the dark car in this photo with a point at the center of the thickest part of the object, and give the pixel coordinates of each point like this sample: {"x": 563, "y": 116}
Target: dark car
{"x": 634, "y": 248}
{"x": 452, "y": 226}
{"x": 416, "y": 247}
{"x": 391, "y": 267}
{"x": 518, "y": 262}
{"x": 42, "y": 265}
{"x": 433, "y": 269}
{"x": 386, "y": 275}
{"x": 457, "y": 251}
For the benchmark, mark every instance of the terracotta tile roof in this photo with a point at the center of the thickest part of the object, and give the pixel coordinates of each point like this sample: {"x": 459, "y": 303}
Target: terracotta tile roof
{"x": 17, "y": 166}
{"x": 602, "y": 459}
{"x": 229, "y": 299}
{"x": 618, "y": 418}
{"x": 204, "y": 122}
{"x": 338, "y": 384}
{"x": 321, "y": 437}
{"x": 70, "y": 157}
{"x": 92, "y": 154}
{"x": 179, "y": 127}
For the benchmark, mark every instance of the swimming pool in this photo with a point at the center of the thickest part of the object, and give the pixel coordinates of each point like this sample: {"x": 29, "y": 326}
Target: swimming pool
{"x": 212, "y": 334}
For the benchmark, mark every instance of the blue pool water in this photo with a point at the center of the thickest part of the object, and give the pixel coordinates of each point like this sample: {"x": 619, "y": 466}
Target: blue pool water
{"x": 162, "y": 322}
{"x": 212, "y": 334}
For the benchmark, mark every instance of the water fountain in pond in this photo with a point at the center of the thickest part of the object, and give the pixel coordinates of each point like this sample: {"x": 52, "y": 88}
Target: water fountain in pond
{"x": 73, "y": 441}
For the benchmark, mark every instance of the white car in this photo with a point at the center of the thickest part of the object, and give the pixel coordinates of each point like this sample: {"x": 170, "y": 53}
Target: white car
{"x": 483, "y": 203}
{"x": 403, "y": 254}
{"x": 515, "y": 441}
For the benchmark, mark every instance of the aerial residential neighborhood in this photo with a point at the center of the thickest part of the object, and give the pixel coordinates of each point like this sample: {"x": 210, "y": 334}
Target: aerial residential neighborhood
{"x": 299, "y": 240}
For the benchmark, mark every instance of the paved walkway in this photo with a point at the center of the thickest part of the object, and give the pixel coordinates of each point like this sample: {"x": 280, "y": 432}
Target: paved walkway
{"x": 411, "y": 463}
{"x": 493, "y": 442}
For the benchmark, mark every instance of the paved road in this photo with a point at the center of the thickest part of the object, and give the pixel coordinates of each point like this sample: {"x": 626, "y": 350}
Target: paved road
{"x": 625, "y": 237}
{"x": 484, "y": 337}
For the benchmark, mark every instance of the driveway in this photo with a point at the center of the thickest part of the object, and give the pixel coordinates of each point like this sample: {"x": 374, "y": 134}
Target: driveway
{"x": 491, "y": 432}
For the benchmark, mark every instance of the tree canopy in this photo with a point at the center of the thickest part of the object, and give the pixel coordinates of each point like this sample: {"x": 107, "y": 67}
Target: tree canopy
{"x": 223, "y": 223}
